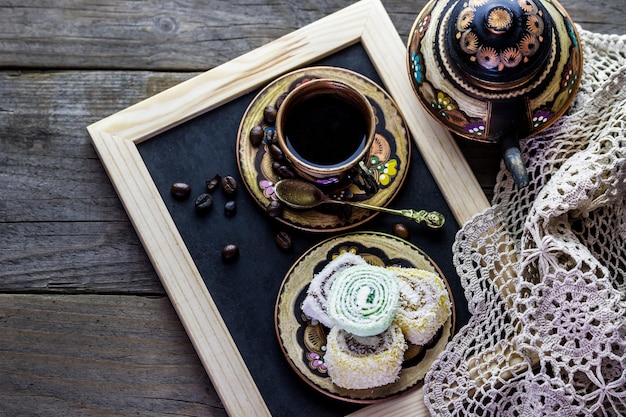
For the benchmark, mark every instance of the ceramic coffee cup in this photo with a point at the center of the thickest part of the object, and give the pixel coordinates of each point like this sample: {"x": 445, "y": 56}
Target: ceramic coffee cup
{"x": 326, "y": 128}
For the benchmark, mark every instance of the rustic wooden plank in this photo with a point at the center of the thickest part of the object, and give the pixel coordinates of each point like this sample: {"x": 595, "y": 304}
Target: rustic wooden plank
{"x": 190, "y": 36}
{"x": 62, "y": 227}
{"x": 64, "y": 355}
{"x": 152, "y": 34}
{"x": 605, "y": 16}
{"x": 50, "y": 169}
{"x": 74, "y": 257}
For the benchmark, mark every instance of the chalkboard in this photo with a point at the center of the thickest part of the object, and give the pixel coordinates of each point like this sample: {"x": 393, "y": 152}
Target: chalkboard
{"x": 245, "y": 290}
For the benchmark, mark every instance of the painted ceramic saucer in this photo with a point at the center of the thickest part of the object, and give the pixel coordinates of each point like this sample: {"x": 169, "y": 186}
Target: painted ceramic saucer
{"x": 303, "y": 342}
{"x": 388, "y": 159}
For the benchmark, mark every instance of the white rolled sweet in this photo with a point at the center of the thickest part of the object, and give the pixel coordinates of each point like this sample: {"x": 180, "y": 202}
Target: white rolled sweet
{"x": 316, "y": 300}
{"x": 424, "y": 304}
{"x": 363, "y": 300}
{"x": 356, "y": 362}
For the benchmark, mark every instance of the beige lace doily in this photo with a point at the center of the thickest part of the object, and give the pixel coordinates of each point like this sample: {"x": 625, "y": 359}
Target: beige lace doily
{"x": 544, "y": 269}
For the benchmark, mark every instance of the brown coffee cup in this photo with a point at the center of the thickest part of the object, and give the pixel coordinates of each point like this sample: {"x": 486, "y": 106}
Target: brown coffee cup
{"x": 326, "y": 128}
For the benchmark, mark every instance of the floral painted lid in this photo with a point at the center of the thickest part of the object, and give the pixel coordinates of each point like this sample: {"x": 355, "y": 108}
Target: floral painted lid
{"x": 499, "y": 41}
{"x": 493, "y": 68}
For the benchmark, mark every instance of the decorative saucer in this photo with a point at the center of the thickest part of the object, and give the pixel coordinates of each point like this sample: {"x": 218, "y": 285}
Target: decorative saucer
{"x": 303, "y": 342}
{"x": 388, "y": 159}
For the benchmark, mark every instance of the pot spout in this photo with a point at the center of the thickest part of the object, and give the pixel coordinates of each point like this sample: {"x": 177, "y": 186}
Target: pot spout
{"x": 516, "y": 166}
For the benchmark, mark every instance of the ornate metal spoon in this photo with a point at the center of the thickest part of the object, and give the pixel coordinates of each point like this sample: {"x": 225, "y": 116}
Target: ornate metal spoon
{"x": 299, "y": 194}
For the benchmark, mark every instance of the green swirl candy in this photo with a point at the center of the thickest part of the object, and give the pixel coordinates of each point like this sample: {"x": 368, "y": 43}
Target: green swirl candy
{"x": 363, "y": 300}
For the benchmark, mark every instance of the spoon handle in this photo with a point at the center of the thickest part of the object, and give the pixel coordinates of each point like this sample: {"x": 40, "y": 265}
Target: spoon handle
{"x": 432, "y": 219}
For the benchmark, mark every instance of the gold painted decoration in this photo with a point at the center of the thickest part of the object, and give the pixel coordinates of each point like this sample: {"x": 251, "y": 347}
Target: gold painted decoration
{"x": 388, "y": 160}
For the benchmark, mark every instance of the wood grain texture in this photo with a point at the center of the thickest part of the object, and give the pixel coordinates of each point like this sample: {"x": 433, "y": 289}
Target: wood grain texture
{"x": 100, "y": 356}
{"x": 62, "y": 227}
{"x": 63, "y": 230}
{"x": 189, "y": 35}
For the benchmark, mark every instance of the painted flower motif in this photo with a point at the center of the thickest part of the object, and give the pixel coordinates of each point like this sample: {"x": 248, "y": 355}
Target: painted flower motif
{"x": 527, "y": 6}
{"x": 268, "y": 189}
{"x": 529, "y": 44}
{"x": 535, "y": 25}
{"x": 387, "y": 171}
{"x": 568, "y": 79}
{"x": 469, "y": 42}
{"x": 418, "y": 68}
{"x": 327, "y": 181}
{"x": 475, "y": 128}
{"x": 443, "y": 104}
{"x": 465, "y": 19}
{"x": 303, "y": 81}
{"x": 345, "y": 249}
{"x": 488, "y": 57}
{"x": 511, "y": 57}
{"x": 316, "y": 361}
{"x": 541, "y": 117}
{"x": 422, "y": 25}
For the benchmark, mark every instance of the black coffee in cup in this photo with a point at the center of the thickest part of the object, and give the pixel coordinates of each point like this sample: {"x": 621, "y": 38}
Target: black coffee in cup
{"x": 325, "y": 129}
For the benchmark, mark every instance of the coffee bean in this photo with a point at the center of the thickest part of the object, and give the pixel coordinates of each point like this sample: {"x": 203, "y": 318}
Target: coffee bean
{"x": 256, "y": 135}
{"x": 274, "y": 209}
{"x": 230, "y": 252}
{"x": 276, "y": 153}
{"x": 229, "y": 184}
{"x": 284, "y": 171}
{"x": 203, "y": 203}
{"x": 269, "y": 114}
{"x": 230, "y": 208}
{"x": 271, "y": 136}
{"x": 180, "y": 190}
{"x": 280, "y": 99}
{"x": 212, "y": 183}
{"x": 401, "y": 230}
{"x": 283, "y": 240}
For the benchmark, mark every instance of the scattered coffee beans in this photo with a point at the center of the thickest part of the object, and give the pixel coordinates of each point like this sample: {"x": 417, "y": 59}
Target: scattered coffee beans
{"x": 180, "y": 190}
{"x": 204, "y": 203}
{"x": 276, "y": 153}
{"x": 230, "y": 208}
{"x": 212, "y": 183}
{"x": 269, "y": 114}
{"x": 256, "y": 135}
{"x": 229, "y": 184}
{"x": 230, "y": 252}
{"x": 274, "y": 209}
{"x": 283, "y": 240}
{"x": 400, "y": 230}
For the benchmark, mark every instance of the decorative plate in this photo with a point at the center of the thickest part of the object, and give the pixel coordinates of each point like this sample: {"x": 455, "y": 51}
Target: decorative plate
{"x": 388, "y": 159}
{"x": 303, "y": 342}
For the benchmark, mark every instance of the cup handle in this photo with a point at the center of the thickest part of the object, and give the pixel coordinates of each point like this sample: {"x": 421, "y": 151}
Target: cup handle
{"x": 363, "y": 178}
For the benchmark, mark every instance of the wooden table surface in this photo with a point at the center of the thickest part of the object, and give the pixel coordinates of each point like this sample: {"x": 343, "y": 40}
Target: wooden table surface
{"x": 85, "y": 325}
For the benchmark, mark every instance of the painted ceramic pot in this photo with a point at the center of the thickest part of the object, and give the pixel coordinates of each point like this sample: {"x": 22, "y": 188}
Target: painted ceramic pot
{"x": 495, "y": 70}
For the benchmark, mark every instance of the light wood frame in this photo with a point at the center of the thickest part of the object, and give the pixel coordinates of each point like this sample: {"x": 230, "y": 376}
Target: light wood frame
{"x": 116, "y": 137}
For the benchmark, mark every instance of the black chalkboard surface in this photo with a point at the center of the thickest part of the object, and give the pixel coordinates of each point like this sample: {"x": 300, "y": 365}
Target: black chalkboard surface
{"x": 245, "y": 291}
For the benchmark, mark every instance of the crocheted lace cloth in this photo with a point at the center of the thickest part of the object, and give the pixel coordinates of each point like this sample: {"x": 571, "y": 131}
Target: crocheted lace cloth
{"x": 544, "y": 269}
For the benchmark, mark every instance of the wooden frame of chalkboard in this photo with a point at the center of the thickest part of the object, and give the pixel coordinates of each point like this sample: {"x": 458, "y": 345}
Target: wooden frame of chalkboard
{"x": 116, "y": 139}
